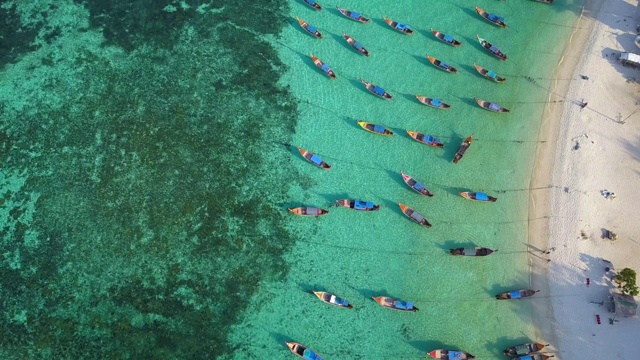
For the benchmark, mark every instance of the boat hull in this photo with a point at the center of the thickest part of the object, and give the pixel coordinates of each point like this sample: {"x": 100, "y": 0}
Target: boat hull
{"x": 524, "y": 349}
{"x": 394, "y": 304}
{"x": 403, "y": 28}
{"x": 430, "y": 102}
{"x": 414, "y": 215}
{"x": 475, "y": 251}
{"x": 355, "y": 205}
{"x": 463, "y": 149}
{"x": 308, "y": 211}
{"x": 314, "y": 159}
{"x": 441, "y": 36}
{"x": 444, "y": 354}
{"x": 516, "y": 294}
{"x": 415, "y": 185}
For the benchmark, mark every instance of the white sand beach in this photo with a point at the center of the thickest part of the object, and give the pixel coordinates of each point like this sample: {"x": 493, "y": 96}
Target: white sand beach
{"x": 584, "y": 151}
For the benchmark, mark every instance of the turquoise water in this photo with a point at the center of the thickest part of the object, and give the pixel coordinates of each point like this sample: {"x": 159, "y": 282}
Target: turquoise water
{"x": 148, "y": 161}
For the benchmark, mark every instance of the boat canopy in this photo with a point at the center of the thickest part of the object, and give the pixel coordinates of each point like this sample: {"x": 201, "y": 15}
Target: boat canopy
{"x": 404, "y": 305}
{"x": 313, "y": 211}
{"x": 482, "y": 196}
{"x": 418, "y": 186}
{"x": 494, "y": 49}
{"x": 361, "y": 205}
{"x": 515, "y": 294}
{"x": 436, "y": 102}
{"x": 495, "y": 18}
{"x": 470, "y": 251}
{"x": 494, "y": 107}
{"x": 448, "y": 38}
{"x": 378, "y": 129}
{"x": 444, "y": 65}
{"x": 378, "y": 90}
{"x": 400, "y": 26}
{"x": 527, "y": 357}
{"x": 311, "y": 2}
{"x": 428, "y": 138}
{"x": 357, "y": 45}
{"x": 491, "y": 74}
{"x": 354, "y": 15}
{"x": 316, "y": 159}
{"x": 325, "y": 68}
{"x": 311, "y": 28}
{"x": 417, "y": 217}
{"x": 455, "y": 355}
{"x": 310, "y": 355}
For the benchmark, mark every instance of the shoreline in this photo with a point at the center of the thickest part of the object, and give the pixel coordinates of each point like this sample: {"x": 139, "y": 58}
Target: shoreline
{"x": 541, "y": 184}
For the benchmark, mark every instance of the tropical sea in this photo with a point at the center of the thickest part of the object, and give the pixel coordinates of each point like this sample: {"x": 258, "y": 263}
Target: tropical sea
{"x": 149, "y": 158}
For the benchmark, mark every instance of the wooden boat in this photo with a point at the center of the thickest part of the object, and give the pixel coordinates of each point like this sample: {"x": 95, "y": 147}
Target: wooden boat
{"x": 376, "y": 129}
{"x": 313, "y": 4}
{"x": 492, "y": 18}
{"x": 353, "y": 15}
{"x": 487, "y": 105}
{"x": 436, "y": 103}
{"x": 403, "y": 28}
{"x": 356, "y": 45}
{"x": 524, "y": 349}
{"x": 302, "y": 351}
{"x": 516, "y": 294}
{"x": 414, "y": 215}
{"x": 491, "y": 75}
{"x": 545, "y": 1}
{"x": 332, "y": 299}
{"x": 394, "y": 304}
{"x": 415, "y": 185}
{"x": 477, "y": 196}
{"x": 534, "y": 357}
{"x": 314, "y": 159}
{"x": 445, "y": 38}
{"x": 358, "y": 205}
{"x": 471, "y": 251}
{"x": 442, "y": 65}
{"x": 308, "y": 211}
{"x": 492, "y": 48}
{"x": 309, "y": 28}
{"x": 463, "y": 148}
{"x": 322, "y": 66}
{"x": 376, "y": 90}
{"x": 425, "y": 139}
{"x": 450, "y": 355}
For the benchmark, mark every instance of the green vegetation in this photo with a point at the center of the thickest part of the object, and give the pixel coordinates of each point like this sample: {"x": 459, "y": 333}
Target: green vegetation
{"x": 627, "y": 279}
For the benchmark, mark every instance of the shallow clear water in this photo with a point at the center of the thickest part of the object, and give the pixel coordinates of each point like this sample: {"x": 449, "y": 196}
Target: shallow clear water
{"x": 149, "y": 158}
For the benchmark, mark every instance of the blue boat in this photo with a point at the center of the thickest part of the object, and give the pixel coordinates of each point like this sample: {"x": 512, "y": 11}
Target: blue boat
{"x": 445, "y": 38}
{"x": 477, "y": 196}
{"x": 332, "y": 299}
{"x": 394, "y": 304}
{"x": 403, "y": 28}
{"x": 314, "y": 159}
{"x": 313, "y": 3}
{"x": 516, "y": 294}
{"x": 376, "y": 90}
{"x": 353, "y": 15}
{"x": 302, "y": 351}
{"x": 358, "y": 205}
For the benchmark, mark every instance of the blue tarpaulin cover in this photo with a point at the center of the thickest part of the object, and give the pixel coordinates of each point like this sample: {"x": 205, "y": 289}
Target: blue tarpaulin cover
{"x": 492, "y": 74}
{"x": 316, "y": 159}
{"x": 494, "y": 107}
{"x": 310, "y": 355}
{"x": 448, "y": 38}
{"x": 311, "y": 28}
{"x": 482, "y": 196}
{"x": 360, "y": 205}
{"x": 444, "y": 64}
{"x": 402, "y": 27}
{"x": 428, "y": 138}
{"x": 494, "y": 48}
{"x": 378, "y": 90}
{"x": 492, "y": 17}
{"x": 409, "y": 305}
{"x": 378, "y": 129}
{"x": 436, "y": 102}
{"x": 455, "y": 355}
{"x": 369, "y": 205}
{"x": 355, "y": 15}
{"x": 418, "y": 186}
{"x": 401, "y": 305}
{"x": 357, "y": 45}
{"x": 515, "y": 294}
{"x": 325, "y": 68}
{"x": 311, "y": 1}
{"x": 528, "y": 357}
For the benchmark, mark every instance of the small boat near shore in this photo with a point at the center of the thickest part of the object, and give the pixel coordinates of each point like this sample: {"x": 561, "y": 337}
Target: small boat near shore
{"x": 471, "y": 251}
{"x": 322, "y": 66}
{"x": 492, "y": 48}
{"x": 463, "y": 148}
{"x": 491, "y": 75}
{"x": 545, "y": 1}
{"x": 302, "y": 351}
{"x": 415, "y": 185}
{"x": 308, "y": 211}
{"x": 353, "y": 15}
{"x": 425, "y": 139}
{"x": 356, "y": 45}
{"x": 436, "y": 103}
{"x": 524, "y": 349}
{"x": 448, "y": 39}
{"x": 376, "y": 90}
{"x": 534, "y": 357}
{"x": 331, "y": 299}
{"x": 442, "y": 65}
{"x": 516, "y": 294}
{"x": 443, "y": 354}
{"x": 403, "y": 28}
{"x": 477, "y": 196}
{"x": 491, "y": 106}
{"x": 414, "y": 215}
{"x": 376, "y": 129}
{"x": 394, "y": 304}
{"x": 314, "y": 159}
{"x": 492, "y": 18}
{"x": 309, "y": 28}
{"x": 313, "y": 4}
{"x": 358, "y": 205}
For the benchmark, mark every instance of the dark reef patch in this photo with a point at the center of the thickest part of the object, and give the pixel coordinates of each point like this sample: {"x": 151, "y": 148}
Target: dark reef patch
{"x": 15, "y": 38}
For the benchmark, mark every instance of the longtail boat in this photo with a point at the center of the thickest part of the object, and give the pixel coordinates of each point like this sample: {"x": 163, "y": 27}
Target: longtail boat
{"x": 414, "y": 215}
{"x": 534, "y": 357}
{"x": 394, "y": 304}
{"x": 492, "y": 18}
{"x": 356, "y": 45}
{"x": 415, "y": 185}
{"x": 443, "y": 354}
{"x": 442, "y": 65}
{"x": 425, "y": 139}
{"x": 376, "y": 129}
{"x": 358, "y": 205}
{"x": 314, "y": 159}
{"x": 376, "y": 90}
{"x": 309, "y": 28}
{"x": 332, "y": 299}
{"x": 471, "y": 251}
{"x": 445, "y": 38}
{"x": 491, "y": 75}
{"x": 477, "y": 196}
{"x": 322, "y": 66}
{"x": 403, "y": 28}
{"x": 491, "y": 106}
{"x": 353, "y": 15}
{"x": 308, "y": 211}
{"x": 313, "y": 4}
{"x": 492, "y": 48}
{"x": 463, "y": 148}
{"x": 524, "y": 349}
{"x": 545, "y": 1}
{"x": 302, "y": 351}
{"x": 436, "y": 103}
{"x": 516, "y": 294}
